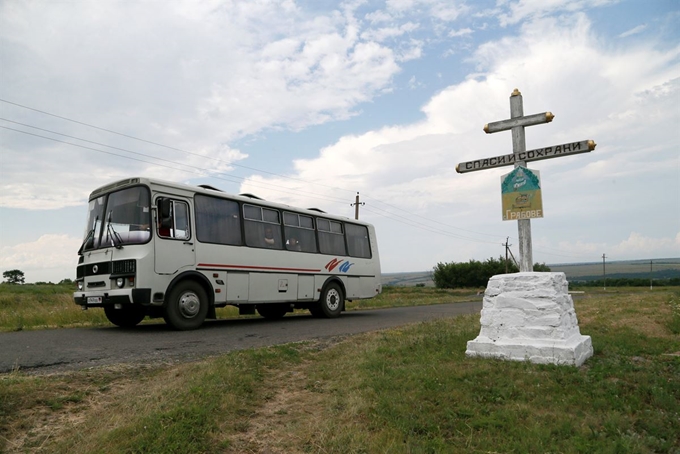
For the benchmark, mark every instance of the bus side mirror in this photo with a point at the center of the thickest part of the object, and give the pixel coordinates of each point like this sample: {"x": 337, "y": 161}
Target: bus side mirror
{"x": 165, "y": 213}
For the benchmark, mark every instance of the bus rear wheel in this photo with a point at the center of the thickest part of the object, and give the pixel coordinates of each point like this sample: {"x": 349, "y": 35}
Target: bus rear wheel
{"x": 126, "y": 316}
{"x": 187, "y": 306}
{"x": 273, "y": 311}
{"x": 332, "y": 302}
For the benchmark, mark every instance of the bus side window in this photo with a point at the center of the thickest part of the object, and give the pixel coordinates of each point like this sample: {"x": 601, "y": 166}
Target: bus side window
{"x": 262, "y": 227}
{"x": 357, "y": 241}
{"x": 299, "y": 231}
{"x": 164, "y": 217}
{"x": 331, "y": 238}
{"x": 217, "y": 220}
{"x": 173, "y": 219}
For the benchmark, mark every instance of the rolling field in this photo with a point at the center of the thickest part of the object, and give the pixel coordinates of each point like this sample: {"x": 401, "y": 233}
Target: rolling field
{"x": 661, "y": 269}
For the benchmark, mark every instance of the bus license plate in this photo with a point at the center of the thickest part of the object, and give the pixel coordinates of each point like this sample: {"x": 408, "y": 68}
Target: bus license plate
{"x": 94, "y": 300}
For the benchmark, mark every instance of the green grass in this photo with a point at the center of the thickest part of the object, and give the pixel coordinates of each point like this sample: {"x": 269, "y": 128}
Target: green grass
{"x": 404, "y": 390}
{"x": 674, "y": 319}
{"x": 423, "y": 395}
{"x": 43, "y": 306}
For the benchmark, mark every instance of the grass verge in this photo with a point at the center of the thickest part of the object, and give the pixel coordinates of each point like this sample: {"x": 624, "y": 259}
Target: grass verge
{"x": 405, "y": 390}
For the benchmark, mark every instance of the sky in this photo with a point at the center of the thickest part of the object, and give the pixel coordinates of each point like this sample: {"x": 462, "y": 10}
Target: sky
{"x": 309, "y": 102}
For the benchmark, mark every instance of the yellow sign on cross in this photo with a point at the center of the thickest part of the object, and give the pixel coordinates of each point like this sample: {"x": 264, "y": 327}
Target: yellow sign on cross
{"x": 521, "y": 194}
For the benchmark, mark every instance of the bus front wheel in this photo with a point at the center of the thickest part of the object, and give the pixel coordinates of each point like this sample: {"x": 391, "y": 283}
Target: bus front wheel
{"x": 332, "y": 302}
{"x": 126, "y": 316}
{"x": 186, "y": 307}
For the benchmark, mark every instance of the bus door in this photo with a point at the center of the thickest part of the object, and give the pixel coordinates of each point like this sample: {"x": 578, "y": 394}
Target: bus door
{"x": 174, "y": 242}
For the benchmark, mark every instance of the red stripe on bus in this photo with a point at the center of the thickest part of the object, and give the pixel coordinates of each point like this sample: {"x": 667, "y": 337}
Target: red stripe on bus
{"x": 271, "y": 268}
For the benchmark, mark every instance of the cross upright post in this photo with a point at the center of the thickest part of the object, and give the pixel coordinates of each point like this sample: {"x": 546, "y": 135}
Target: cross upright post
{"x": 519, "y": 146}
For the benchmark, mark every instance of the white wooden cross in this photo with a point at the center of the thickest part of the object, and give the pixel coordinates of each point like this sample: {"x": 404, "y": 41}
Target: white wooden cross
{"x": 520, "y": 156}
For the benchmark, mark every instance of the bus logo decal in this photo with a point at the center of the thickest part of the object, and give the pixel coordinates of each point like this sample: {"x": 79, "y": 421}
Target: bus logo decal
{"x": 330, "y": 266}
{"x": 345, "y": 267}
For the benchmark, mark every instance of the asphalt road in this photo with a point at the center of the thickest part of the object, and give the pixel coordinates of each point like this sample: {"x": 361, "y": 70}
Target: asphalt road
{"x": 49, "y": 351}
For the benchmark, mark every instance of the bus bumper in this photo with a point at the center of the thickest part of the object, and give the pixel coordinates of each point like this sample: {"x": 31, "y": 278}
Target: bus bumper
{"x": 138, "y": 296}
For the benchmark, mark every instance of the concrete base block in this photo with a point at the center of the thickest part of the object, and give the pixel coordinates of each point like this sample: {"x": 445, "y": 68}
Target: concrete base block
{"x": 530, "y": 317}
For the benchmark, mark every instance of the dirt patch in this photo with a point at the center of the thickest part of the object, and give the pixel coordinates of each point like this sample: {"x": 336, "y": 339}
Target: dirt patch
{"x": 56, "y": 405}
{"x": 283, "y": 423}
{"x": 293, "y": 408}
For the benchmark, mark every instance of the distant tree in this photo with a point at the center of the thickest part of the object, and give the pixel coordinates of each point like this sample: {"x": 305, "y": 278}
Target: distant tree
{"x": 541, "y": 267}
{"x": 469, "y": 274}
{"x": 66, "y": 282}
{"x": 474, "y": 273}
{"x": 14, "y": 276}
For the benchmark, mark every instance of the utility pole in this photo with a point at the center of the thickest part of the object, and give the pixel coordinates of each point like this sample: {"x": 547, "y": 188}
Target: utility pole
{"x": 356, "y": 206}
{"x": 651, "y": 278}
{"x": 507, "y": 247}
{"x": 604, "y": 273}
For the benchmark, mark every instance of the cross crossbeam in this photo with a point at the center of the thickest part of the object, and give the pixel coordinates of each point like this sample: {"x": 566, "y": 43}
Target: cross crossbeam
{"x": 538, "y": 154}
{"x": 529, "y": 120}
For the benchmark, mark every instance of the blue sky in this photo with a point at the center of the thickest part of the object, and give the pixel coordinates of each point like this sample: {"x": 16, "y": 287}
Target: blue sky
{"x": 309, "y": 102}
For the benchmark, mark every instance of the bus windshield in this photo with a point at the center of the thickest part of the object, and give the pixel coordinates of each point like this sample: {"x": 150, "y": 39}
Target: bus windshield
{"x": 119, "y": 218}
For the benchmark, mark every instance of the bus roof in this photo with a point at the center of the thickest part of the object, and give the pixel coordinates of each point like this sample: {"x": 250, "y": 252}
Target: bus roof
{"x": 209, "y": 190}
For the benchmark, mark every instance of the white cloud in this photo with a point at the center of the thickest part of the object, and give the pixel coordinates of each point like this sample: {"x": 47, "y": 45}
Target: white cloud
{"x": 49, "y": 258}
{"x": 638, "y": 245}
{"x": 536, "y": 9}
{"x": 382, "y": 34}
{"x": 412, "y": 165}
{"x": 194, "y": 77}
{"x": 633, "y": 31}
{"x": 635, "y": 246}
{"x": 201, "y": 76}
{"x": 461, "y": 32}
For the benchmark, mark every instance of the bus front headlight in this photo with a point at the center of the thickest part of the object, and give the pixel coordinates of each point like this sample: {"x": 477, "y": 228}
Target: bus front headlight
{"x": 80, "y": 286}
{"x": 120, "y": 282}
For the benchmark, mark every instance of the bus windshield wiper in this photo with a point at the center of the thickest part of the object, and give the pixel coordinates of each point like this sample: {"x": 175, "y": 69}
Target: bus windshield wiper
{"x": 88, "y": 237}
{"x": 115, "y": 237}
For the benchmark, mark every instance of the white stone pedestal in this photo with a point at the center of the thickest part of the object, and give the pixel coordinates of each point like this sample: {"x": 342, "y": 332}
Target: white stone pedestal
{"x": 530, "y": 317}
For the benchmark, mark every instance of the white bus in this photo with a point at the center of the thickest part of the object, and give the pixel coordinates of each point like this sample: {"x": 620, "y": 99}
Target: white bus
{"x": 160, "y": 249}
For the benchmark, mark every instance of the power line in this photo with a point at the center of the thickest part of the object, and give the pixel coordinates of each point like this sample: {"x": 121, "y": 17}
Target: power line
{"x": 420, "y": 225}
{"x": 201, "y": 169}
{"x": 137, "y": 153}
{"x": 162, "y": 145}
{"x": 235, "y": 179}
{"x": 206, "y": 157}
{"x": 435, "y": 221}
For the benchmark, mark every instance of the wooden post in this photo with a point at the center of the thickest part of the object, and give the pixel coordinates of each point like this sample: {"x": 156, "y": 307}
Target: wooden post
{"x": 526, "y": 263}
{"x": 356, "y": 206}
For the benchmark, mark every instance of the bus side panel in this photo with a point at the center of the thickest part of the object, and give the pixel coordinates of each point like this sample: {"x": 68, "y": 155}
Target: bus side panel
{"x": 353, "y": 287}
{"x": 370, "y": 287}
{"x": 238, "y": 285}
{"x": 305, "y": 287}
{"x": 274, "y": 287}
{"x": 359, "y": 287}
